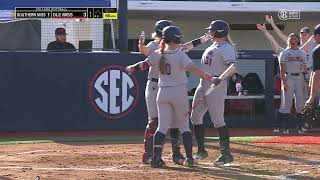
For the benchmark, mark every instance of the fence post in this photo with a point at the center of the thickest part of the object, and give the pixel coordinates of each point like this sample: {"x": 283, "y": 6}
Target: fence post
{"x": 269, "y": 91}
{"x": 123, "y": 25}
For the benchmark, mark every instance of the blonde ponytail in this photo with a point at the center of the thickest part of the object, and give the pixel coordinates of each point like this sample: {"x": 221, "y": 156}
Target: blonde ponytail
{"x": 162, "y": 63}
{"x": 229, "y": 40}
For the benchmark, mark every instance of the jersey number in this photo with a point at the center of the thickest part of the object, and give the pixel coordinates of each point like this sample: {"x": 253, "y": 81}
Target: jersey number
{"x": 168, "y": 69}
{"x": 208, "y": 61}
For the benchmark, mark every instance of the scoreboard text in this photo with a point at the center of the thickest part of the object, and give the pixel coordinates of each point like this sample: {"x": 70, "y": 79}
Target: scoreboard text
{"x": 62, "y": 13}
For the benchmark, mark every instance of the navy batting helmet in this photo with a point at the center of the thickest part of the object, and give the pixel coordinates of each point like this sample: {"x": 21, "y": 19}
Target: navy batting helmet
{"x": 172, "y": 34}
{"x": 160, "y": 25}
{"x": 221, "y": 28}
{"x": 316, "y": 30}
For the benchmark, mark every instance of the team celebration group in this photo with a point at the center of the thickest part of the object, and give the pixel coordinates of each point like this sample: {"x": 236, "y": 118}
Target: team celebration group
{"x": 166, "y": 91}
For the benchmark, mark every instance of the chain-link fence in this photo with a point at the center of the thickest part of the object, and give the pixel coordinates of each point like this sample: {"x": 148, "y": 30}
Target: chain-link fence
{"x": 77, "y": 29}
{"x": 36, "y": 34}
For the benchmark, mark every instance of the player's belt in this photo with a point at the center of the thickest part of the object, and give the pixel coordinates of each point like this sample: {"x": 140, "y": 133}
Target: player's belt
{"x": 153, "y": 80}
{"x": 293, "y": 74}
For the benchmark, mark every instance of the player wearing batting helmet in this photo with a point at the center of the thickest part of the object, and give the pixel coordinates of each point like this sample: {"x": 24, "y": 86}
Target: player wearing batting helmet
{"x": 215, "y": 60}
{"x": 152, "y": 89}
{"x": 172, "y": 97}
{"x": 150, "y": 96}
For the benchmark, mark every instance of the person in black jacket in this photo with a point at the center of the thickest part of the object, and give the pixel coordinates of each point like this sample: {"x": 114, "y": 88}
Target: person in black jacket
{"x": 315, "y": 77}
{"x": 60, "y": 44}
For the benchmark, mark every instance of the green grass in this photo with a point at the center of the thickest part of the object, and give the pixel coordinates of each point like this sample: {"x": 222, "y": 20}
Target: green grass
{"x": 5, "y": 141}
{"x": 112, "y": 139}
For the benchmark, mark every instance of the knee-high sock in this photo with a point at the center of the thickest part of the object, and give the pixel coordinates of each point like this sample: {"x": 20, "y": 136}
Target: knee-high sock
{"x": 199, "y": 133}
{"x": 224, "y": 140}
{"x": 174, "y": 136}
{"x": 187, "y": 142}
{"x": 285, "y": 120}
{"x": 300, "y": 122}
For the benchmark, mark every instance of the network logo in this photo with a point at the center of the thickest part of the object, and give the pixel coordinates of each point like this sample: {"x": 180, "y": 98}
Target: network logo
{"x": 285, "y": 14}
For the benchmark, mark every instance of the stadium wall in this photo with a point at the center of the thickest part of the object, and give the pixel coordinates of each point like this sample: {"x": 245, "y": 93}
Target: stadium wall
{"x": 78, "y": 91}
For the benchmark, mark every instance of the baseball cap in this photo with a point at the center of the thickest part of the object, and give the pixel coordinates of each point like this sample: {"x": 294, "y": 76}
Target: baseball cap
{"x": 316, "y": 30}
{"x": 305, "y": 30}
{"x": 61, "y": 31}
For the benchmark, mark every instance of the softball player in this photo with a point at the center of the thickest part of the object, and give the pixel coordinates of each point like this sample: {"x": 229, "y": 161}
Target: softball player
{"x": 315, "y": 78}
{"x": 215, "y": 60}
{"x": 150, "y": 96}
{"x": 292, "y": 66}
{"x": 308, "y": 44}
{"x": 172, "y": 97}
{"x": 152, "y": 89}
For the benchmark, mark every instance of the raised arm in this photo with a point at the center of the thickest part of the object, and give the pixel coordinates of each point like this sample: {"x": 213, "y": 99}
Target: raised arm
{"x": 142, "y": 47}
{"x": 274, "y": 44}
{"x": 194, "y": 43}
{"x": 142, "y": 65}
{"x": 306, "y": 45}
{"x": 283, "y": 36}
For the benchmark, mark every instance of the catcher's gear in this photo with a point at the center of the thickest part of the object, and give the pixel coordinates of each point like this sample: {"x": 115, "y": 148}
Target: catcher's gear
{"x": 311, "y": 115}
{"x": 148, "y": 140}
{"x": 221, "y": 28}
{"x": 172, "y": 34}
{"x": 160, "y": 25}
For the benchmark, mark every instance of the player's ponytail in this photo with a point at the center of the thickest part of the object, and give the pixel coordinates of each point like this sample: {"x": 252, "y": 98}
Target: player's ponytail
{"x": 162, "y": 63}
{"x": 229, "y": 40}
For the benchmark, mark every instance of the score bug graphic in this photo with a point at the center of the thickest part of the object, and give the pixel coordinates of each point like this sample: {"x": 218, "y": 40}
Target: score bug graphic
{"x": 113, "y": 93}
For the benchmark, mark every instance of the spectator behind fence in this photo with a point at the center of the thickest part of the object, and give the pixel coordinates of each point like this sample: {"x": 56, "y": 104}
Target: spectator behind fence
{"x": 60, "y": 44}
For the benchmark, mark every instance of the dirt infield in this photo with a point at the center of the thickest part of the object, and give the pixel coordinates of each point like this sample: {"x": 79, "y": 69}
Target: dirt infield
{"x": 122, "y": 161}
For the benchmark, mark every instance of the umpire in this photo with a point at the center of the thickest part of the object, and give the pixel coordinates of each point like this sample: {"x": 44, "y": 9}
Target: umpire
{"x": 60, "y": 43}
{"x": 315, "y": 78}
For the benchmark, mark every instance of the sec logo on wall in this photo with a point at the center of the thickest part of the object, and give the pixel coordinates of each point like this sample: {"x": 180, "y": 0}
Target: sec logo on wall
{"x": 113, "y": 93}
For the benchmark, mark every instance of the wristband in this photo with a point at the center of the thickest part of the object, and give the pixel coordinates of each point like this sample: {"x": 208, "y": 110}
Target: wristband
{"x": 136, "y": 67}
{"x": 196, "y": 42}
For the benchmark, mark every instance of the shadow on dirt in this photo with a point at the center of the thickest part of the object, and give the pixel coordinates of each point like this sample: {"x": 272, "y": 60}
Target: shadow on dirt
{"x": 275, "y": 148}
{"x": 268, "y": 155}
{"x": 235, "y": 172}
